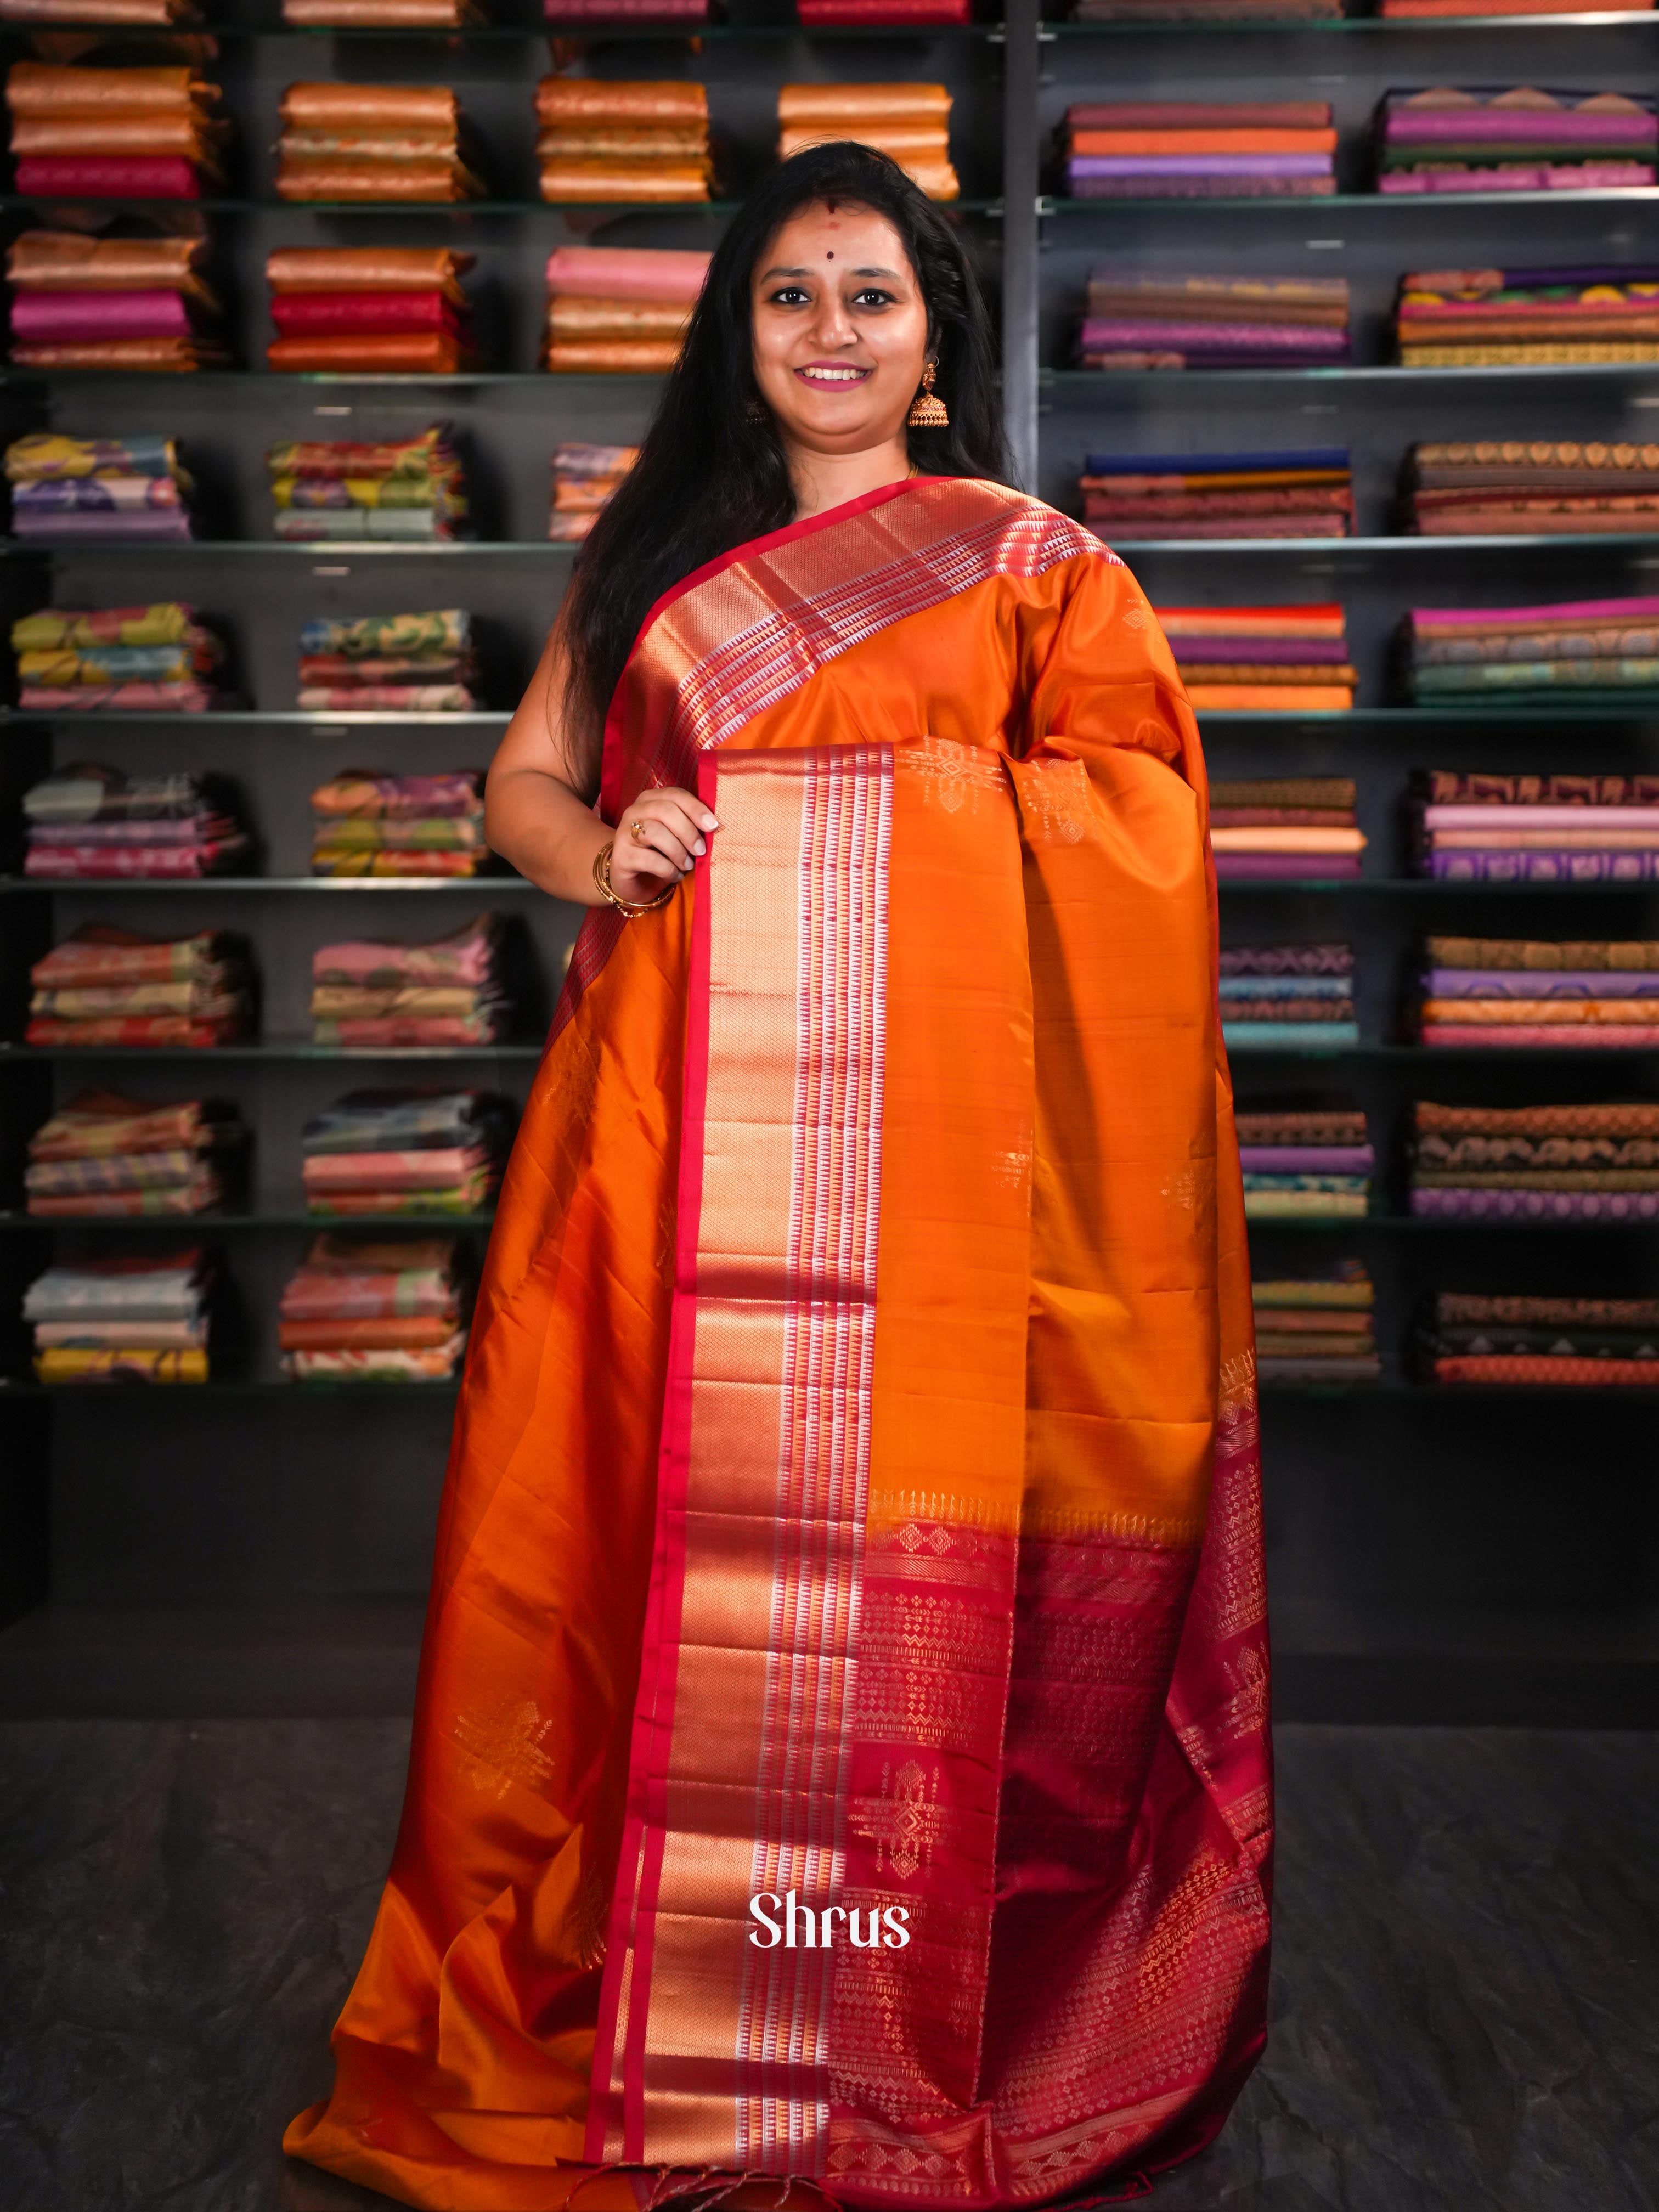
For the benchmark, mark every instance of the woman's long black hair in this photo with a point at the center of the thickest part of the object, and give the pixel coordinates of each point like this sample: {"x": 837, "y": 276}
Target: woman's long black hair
{"x": 709, "y": 474}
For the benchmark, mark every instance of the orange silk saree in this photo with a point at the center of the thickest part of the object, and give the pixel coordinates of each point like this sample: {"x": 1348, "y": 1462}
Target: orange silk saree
{"x": 855, "y": 1496}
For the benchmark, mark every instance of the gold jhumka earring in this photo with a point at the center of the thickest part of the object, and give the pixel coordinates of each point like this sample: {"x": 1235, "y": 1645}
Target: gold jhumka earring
{"x": 927, "y": 410}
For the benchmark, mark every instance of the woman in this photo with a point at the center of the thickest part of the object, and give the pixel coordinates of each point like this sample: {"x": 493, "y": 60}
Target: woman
{"x": 841, "y": 1749}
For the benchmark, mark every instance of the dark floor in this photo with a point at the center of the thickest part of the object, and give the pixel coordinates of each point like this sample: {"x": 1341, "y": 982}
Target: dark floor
{"x": 1465, "y": 2001}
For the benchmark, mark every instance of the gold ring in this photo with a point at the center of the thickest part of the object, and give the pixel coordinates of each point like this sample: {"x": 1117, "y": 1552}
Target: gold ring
{"x": 636, "y": 831}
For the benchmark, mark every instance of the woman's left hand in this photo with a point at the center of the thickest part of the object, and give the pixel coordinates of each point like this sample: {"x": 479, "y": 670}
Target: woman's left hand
{"x": 660, "y": 835}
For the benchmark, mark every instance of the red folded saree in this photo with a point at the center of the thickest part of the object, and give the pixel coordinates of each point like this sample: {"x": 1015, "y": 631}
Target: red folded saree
{"x": 318, "y": 315}
{"x": 108, "y": 177}
{"x": 854, "y": 1489}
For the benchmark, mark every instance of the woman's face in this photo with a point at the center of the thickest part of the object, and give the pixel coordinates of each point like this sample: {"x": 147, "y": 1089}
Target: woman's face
{"x": 840, "y": 329}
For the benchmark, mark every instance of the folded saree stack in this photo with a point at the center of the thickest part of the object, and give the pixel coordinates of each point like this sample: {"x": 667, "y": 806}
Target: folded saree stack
{"x": 99, "y": 491}
{"x": 1317, "y": 1327}
{"x": 84, "y": 302}
{"x": 130, "y": 1320}
{"x": 1201, "y": 496}
{"x": 909, "y": 122}
{"x": 360, "y": 1312}
{"x": 611, "y": 141}
{"x": 105, "y": 1156}
{"x": 416, "y": 664}
{"x": 1534, "y": 488}
{"x": 150, "y": 15}
{"x": 379, "y": 993}
{"x": 1546, "y": 996}
{"x": 1194, "y": 149}
{"x": 1573, "y": 649}
{"x": 1535, "y": 1163}
{"x": 1587, "y": 1343}
{"x": 1485, "y": 828}
{"x": 1443, "y": 140}
{"x": 584, "y": 477}
{"x": 399, "y": 309}
{"x": 1520, "y": 318}
{"x": 128, "y": 660}
{"x": 382, "y": 15}
{"x": 399, "y": 826}
{"x": 140, "y": 134}
{"x": 1289, "y": 827}
{"x": 406, "y": 489}
{"x": 1279, "y": 998}
{"x": 614, "y": 308}
{"x": 1427, "y": 10}
{"x": 373, "y": 142}
{"x": 87, "y": 822}
{"x": 406, "y": 1152}
{"x": 1140, "y": 318}
{"x": 1272, "y": 660}
{"x": 1305, "y": 1161}
{"x": 103, "y": 986}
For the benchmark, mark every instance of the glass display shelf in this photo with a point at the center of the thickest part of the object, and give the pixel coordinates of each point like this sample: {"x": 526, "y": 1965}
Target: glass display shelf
{"x": 21, "y": 1386}
{"x": 485, "y": 34}
{"x": 1437, "y": 1055}
{"x": 1410, "y": 1224}
{"x": 1602, "y": 19}
{"x": 274, "y": 1049}
{"x": 309, "y": 548}
{"x": 474, "y": 887}
{"x": 1499, "y": 717}
{"x": 1075, "y": 385}
{"x": 425, "y": 210}
{"x": 613, "y": 385}
{"x": 15, "y": 1221}
{"x": 250, "y": 720}
{"x": 1342, "y": 203}
{"x": 1399, "y": 542}
{"x": 1420, "y": 887}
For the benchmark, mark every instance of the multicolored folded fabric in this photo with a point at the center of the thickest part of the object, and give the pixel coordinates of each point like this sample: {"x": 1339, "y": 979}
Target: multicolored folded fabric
{"x": 380, "y": 14}
{"x": 619, "y": 309}
{"x": 1503, "y": 995}
{"x": 1515, "y": 318}
{"x": 106, "y": 1154}
{"x": 584, "y": 477}
{"x": 135, "y": 1319}
{"x": 114, "y": 133}
{"x": 80, "y": 302}
{"x": 909, "y": 122}
{"x": 105, "y": 986}
{"x": 399, "y": 826}
{"x": 601, "y": 139}
{"x": 1589, "y": 1343}
{"x": 1590, "y": 648}
{"x": 132, "y": 659}
{"x": 383, "y": 992}
{"x": 1296, "y": 997}
{"x": 394, "y": 310}
{"x": 1318, "y": 1326}
{"x": 1531, "y": 488}
{"x": 406, "y": 1151}
{"x": 89, "y": 821}
{"x": 104, "y": 489}
{"x": 1216, "y": 13}
{"x": 378, "y": 1311}
{"x": 1200, "y": 149}
{"x": 1271, "y": 659}
{"x": 1256, "y": 832}
{"x": 1304, "y": 1162}
{"x": 368, "y": 142}
{"x": 1139, "y": 319}
{"x": 1518, "y": 139}
{"x": 411, "y": 488}
{"x": 679, "y": 13}
{"x": 1214, "y": 496}
{"x": 1476, "y": 829}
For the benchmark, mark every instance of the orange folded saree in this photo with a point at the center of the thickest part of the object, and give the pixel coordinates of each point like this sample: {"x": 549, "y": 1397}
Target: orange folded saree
{"x": 853, "y": 1516}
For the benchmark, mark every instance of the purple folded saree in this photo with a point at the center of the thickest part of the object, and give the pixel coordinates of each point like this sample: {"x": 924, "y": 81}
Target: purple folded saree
{"x": 1306, "y": 1159}
{"x": 1541, "y": 983}
{"x": 1535, "y": 1205}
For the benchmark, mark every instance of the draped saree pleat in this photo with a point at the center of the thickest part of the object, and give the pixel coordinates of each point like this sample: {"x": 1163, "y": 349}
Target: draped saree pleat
{"x": 854, "y": 1494}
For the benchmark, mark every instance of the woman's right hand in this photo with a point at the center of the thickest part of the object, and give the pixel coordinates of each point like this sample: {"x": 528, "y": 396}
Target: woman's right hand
{"x": 659, "y": 835}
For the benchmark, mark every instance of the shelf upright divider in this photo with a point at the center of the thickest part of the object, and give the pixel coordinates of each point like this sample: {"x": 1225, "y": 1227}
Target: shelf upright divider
{"x": 1022, "y": 51}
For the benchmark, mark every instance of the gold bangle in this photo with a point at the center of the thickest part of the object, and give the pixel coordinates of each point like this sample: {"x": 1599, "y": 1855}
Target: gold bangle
{"x": 624, "y": 906}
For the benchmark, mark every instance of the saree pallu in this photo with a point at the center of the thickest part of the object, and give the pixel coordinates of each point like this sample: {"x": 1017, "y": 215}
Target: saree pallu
{"x": 855, "y": 1490}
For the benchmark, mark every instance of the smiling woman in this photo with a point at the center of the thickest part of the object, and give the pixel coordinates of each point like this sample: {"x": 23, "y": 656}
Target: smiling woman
{"x": 853, "y": 1517}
